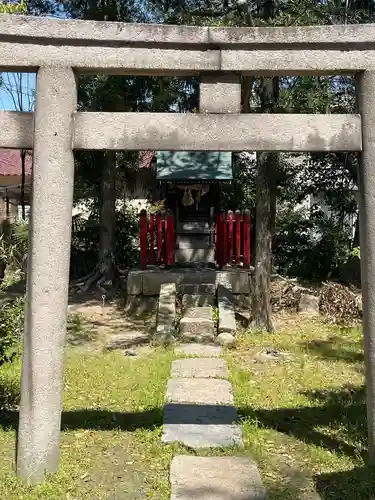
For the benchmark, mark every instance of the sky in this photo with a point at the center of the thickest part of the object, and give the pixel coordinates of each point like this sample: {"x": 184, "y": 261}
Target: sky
{"x": 13, "y": 82}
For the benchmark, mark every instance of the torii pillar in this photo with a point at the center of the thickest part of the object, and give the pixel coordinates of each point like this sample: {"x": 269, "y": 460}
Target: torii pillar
{"x": 38, "y": 447}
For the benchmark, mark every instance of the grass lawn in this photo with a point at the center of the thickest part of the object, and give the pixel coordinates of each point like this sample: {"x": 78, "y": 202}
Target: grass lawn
{"x": 303, "y": 419}
{"x": 112, "y": 419}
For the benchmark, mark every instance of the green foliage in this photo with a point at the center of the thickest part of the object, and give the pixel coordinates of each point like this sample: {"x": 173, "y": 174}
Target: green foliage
{"x": 356, "y": 252}
{"x": 309, "y": 244}
{"x": 13, "y": 7}
{"x": 11, "y": 326}
{"x": 85, "y": 240}
{"x": 13, "y": 243}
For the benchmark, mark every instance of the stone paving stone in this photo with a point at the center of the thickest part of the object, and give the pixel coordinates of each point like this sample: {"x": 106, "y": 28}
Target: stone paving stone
{"x": 201, "y": 426}
{"x": 199, "y": 391}
{"x": 215, "y": 478}
{"x": 200, "y": 368}
{"x": 198, "y": 350}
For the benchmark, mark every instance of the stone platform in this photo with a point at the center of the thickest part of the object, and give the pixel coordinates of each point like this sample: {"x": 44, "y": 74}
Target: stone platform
{"x": 148, "y": 282}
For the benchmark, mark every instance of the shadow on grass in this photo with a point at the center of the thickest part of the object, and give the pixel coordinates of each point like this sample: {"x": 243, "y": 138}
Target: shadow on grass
{"x": 355, "y": 484}
{"x": 330, "y": 349}
{"x": 336, "y": 413}
{"x": 96, "y": 419}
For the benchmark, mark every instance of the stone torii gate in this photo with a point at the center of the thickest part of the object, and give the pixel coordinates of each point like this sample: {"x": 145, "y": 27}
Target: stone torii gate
{"x": 59, "y": 49}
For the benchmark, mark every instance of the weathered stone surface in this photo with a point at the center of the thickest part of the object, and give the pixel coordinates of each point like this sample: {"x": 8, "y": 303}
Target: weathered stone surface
{"x": 215, "y": 478}
{"x": 48, "y": 274}
{"x": 213, "y": 132}
{"x": 197, "y": 329}
{"x": 201, "y": 426}
{"x": 123, "y": 33}
{"x": 16, "y": 130}
{"x": 309, "y": 304}
{"x": 198, "y": 289}
{"x": 227, "y": 318}
{"x": 197, "y": 300}
{"x": 199, "y": 391}
{"x": 220, "y": 93}
{"x": 199, "y": 368}
{"x": 199, "y": 313}
{"x": 188, "y": 281}
{"x": 226, "y": 339}
{"x": 198, "y": 350}
{"x": 166, "y": 318}
{"x": 134, "y": 283}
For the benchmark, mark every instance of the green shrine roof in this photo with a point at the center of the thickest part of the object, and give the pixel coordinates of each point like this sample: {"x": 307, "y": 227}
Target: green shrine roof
{"x": 193, "y": 166}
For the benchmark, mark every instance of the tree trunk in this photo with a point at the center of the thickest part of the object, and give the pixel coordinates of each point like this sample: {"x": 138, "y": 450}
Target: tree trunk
{"x": 265, "y": 226}
{"x": 23, "y": 176}
{"x": 107, "y": 240}
{"x": 266, "y": 183}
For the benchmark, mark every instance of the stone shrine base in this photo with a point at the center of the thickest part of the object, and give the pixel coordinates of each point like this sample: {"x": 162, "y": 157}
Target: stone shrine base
{"x": 187, "y": 280}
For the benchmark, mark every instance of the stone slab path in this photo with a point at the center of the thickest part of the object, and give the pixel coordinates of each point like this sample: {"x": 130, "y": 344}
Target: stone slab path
{"x": 200, "y": 413}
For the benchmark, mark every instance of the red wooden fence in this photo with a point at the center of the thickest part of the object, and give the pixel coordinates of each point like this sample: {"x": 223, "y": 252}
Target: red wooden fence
{"x": 233, "y": 238}
{"x": 157, "y": 239}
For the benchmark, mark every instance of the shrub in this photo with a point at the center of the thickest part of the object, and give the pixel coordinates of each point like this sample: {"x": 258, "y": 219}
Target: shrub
{"x": 11, "y": 327}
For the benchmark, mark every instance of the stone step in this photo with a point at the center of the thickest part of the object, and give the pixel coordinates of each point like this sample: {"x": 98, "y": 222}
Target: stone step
{"x": 201, "y": 426}
{"x": 215, "y": 478}
{"x": 197, "y": 300}
{"x": 199, "y": 368}
{"x": 200, "y": 350}
{"x": 192, "y": 330}
{"x": 201, "y": 391}
{"x": 197, "y": 325}
{"x": 199, "y": 313}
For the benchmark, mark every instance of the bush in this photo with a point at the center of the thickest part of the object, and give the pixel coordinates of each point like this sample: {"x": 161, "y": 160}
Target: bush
{"x": 310, "y": 245}
{"x": 11, "y": 327}
{"x": 85, "y": 241}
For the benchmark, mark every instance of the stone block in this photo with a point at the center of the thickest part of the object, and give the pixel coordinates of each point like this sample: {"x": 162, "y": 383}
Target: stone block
{"x": 309, "y": 304}
{"x": 201, "y": 426}
{"x": 215, "y": 478}
{"x": 226, "y": 339}
{"x": 134, "y": 285}
{"x": 227, "y": 318}
{"x": 199, "y": 368}
{"x": 197, "y": 300}
{"x": 166, "y": 318}
{"x": 198, "y": 350}
{"x": 197, "y": 289}
{"x": 199, "y": 391}
{"x": 220, "y": 93}
{"x": 152, "y": 280}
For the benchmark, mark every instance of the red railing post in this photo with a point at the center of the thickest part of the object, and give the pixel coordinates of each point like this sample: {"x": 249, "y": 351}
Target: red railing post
{"x": 246, "y": 239}
{"x": 152, "y": 240}
{"x": 159, "y": 238}
{"x": 143, "y": 238}
{"x": 238, "y": 236}
{"x": 225, "y": 239}
{"x": 230, "y": 237}
{"x": 170, "y": 240}
{"x": 219, "y": 241}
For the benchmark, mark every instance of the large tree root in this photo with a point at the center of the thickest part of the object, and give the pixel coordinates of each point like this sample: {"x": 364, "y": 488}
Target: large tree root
{"x": 106, "y": 270}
